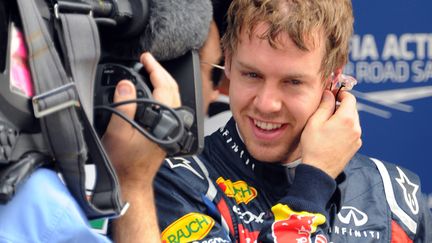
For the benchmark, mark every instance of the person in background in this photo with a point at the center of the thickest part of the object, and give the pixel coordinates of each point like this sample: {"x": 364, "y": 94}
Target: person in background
{"x": 210, "y": 57}
{"x": 211, "y": 75}
{"x": 219, "y": 111}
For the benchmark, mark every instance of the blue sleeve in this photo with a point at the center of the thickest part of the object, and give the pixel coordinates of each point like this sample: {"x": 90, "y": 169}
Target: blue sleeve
{"x": 43, "y": 210}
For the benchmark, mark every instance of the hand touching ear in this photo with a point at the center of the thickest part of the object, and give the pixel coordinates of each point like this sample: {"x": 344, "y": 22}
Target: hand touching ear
{"x": 330, "y": 138}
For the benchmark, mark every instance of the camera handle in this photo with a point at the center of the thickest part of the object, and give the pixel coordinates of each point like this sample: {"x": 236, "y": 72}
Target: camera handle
{"x": 169, "y": 128}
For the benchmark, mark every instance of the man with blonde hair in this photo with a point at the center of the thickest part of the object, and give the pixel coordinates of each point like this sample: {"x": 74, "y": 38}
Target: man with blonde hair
{"x": 285, "y": 168}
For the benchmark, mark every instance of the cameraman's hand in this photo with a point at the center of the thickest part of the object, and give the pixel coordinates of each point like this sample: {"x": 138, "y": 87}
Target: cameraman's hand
{"x": 137, "y": 159}
{"x": 330, "y": 140}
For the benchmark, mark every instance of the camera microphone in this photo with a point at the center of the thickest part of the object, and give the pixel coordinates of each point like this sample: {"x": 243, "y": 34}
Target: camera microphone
{"x": 173, "y": 28}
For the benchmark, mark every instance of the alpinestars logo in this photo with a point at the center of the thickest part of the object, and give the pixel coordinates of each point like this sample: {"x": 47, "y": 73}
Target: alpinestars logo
{"x": 179, "y": 162}
{"x": 409, "y": 190}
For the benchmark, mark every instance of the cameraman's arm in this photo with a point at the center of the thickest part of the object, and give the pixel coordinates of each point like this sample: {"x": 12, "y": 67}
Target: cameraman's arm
{"x": 136, "y": 159}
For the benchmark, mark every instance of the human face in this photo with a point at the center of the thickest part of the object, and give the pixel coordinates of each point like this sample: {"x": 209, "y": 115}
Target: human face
{"x": 273, "y": 92}
{"x": 210, "y": 53}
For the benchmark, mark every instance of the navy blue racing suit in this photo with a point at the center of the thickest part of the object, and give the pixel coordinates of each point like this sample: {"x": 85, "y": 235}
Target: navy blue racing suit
{"x": 225, "y": 195}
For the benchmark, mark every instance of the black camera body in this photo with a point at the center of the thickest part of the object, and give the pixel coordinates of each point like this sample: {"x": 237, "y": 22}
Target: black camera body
{"x": 128, "y": 28}
{"x": 186, "y": 71}
{"x": 54, "y": 121}
{"x": 107, "y": 77}
{"x": 114, "y": 67}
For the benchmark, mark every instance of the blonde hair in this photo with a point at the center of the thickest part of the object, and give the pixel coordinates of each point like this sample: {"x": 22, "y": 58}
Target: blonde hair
{"x": 302, "y": 20}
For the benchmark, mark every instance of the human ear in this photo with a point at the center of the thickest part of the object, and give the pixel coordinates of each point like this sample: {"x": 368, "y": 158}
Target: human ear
{"x": 338, "y": 80}
{"x": 334, "y": 79}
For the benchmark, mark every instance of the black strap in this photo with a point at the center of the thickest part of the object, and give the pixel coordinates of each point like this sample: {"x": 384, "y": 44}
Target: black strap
{"x": 61, "y": 104}
{"x": 82, "y": 49}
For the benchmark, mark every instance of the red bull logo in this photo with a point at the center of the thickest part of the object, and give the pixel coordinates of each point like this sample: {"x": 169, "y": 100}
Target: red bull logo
{"x": 296, "y": 227}
{"x": 239, "y": 190}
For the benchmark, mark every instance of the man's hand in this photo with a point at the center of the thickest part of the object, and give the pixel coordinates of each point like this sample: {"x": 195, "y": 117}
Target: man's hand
{"x": 165, "y": 87}
{"x": 330, "y": 140}
{"x": 136, "y": 159}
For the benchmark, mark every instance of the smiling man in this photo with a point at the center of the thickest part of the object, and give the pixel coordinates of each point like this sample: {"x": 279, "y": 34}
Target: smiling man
{"x": 285, "y": 168}
{"x": 276, "y": 94}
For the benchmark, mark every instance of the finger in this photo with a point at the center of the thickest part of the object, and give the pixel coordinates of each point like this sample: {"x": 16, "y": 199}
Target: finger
{"x": 335, "y": 92}
{"x": 156, "y": 72}
{"x": 347, "y": 103}
{"x": 325, "y": 108}
{"x": 347, "y": 111}
{"x": 125, "y": 90}
{"x": 166, "y": 89}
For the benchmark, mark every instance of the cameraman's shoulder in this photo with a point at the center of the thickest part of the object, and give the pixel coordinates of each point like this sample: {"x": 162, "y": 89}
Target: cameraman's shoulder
{"x": 45, "y": 194}
{"x": 44, "y": 185}
{"x": 43, "y": 210}
{"x": 18, "y": 216}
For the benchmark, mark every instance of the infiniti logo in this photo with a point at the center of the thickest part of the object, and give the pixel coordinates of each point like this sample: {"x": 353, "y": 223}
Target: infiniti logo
{"x": 348, "y": 214}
